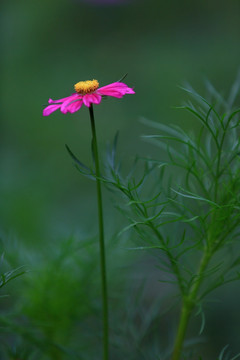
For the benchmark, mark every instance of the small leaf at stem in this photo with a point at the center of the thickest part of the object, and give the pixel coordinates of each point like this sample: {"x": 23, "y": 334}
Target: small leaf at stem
{"x": 76, "y": 160}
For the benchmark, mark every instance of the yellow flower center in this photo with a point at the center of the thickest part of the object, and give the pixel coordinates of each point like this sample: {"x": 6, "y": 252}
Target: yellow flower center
{"x": 86, "y": 87}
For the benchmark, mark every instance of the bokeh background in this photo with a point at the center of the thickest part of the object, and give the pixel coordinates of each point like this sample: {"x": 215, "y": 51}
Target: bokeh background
{"x": 48, "y": 46}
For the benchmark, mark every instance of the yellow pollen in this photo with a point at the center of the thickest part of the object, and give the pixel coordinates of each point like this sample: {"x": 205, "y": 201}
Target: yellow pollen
{"x": 86, "y": 87}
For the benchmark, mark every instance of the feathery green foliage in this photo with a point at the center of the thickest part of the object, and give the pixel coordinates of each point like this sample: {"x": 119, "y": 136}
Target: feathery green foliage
{"x": 189, "y": 217}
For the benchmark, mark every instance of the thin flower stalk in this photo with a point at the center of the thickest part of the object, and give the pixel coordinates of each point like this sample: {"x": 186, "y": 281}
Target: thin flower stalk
{"x": 101, "y": 239}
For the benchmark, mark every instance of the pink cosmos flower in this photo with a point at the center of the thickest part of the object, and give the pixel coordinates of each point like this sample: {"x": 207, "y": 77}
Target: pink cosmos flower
{"x": 87, "y": 93}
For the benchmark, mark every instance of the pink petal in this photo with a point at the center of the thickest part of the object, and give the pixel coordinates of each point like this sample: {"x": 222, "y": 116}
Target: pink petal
{"x": 72, "y": 107}
{"x": 71, "y": 103}
{"x": 117, "y": 89}
{"x": 49, "y": 109}
{"x": 56, "y": 104}
{"x": 91, "y": 98}
{"x": 72, "y": 96}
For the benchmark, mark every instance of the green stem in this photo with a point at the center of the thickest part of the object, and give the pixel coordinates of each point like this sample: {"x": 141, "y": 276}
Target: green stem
{"x": 188, "y": 305}
{"x": 101, "y": 238}
{"x": 170, "y": 257}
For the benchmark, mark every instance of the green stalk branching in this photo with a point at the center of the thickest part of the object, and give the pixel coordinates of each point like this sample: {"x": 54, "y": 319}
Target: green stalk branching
{"x": 203, "y": 201}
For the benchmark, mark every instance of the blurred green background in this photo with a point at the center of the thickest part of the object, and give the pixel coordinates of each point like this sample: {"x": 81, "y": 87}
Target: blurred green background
{"x": 48, "y": 46}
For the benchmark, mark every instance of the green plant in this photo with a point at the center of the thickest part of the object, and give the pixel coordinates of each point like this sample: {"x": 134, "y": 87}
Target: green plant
{"x": 192, "y": 217}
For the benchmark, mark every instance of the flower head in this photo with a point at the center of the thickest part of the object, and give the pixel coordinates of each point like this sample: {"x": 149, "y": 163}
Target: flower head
{"x": 87, "y": 93}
